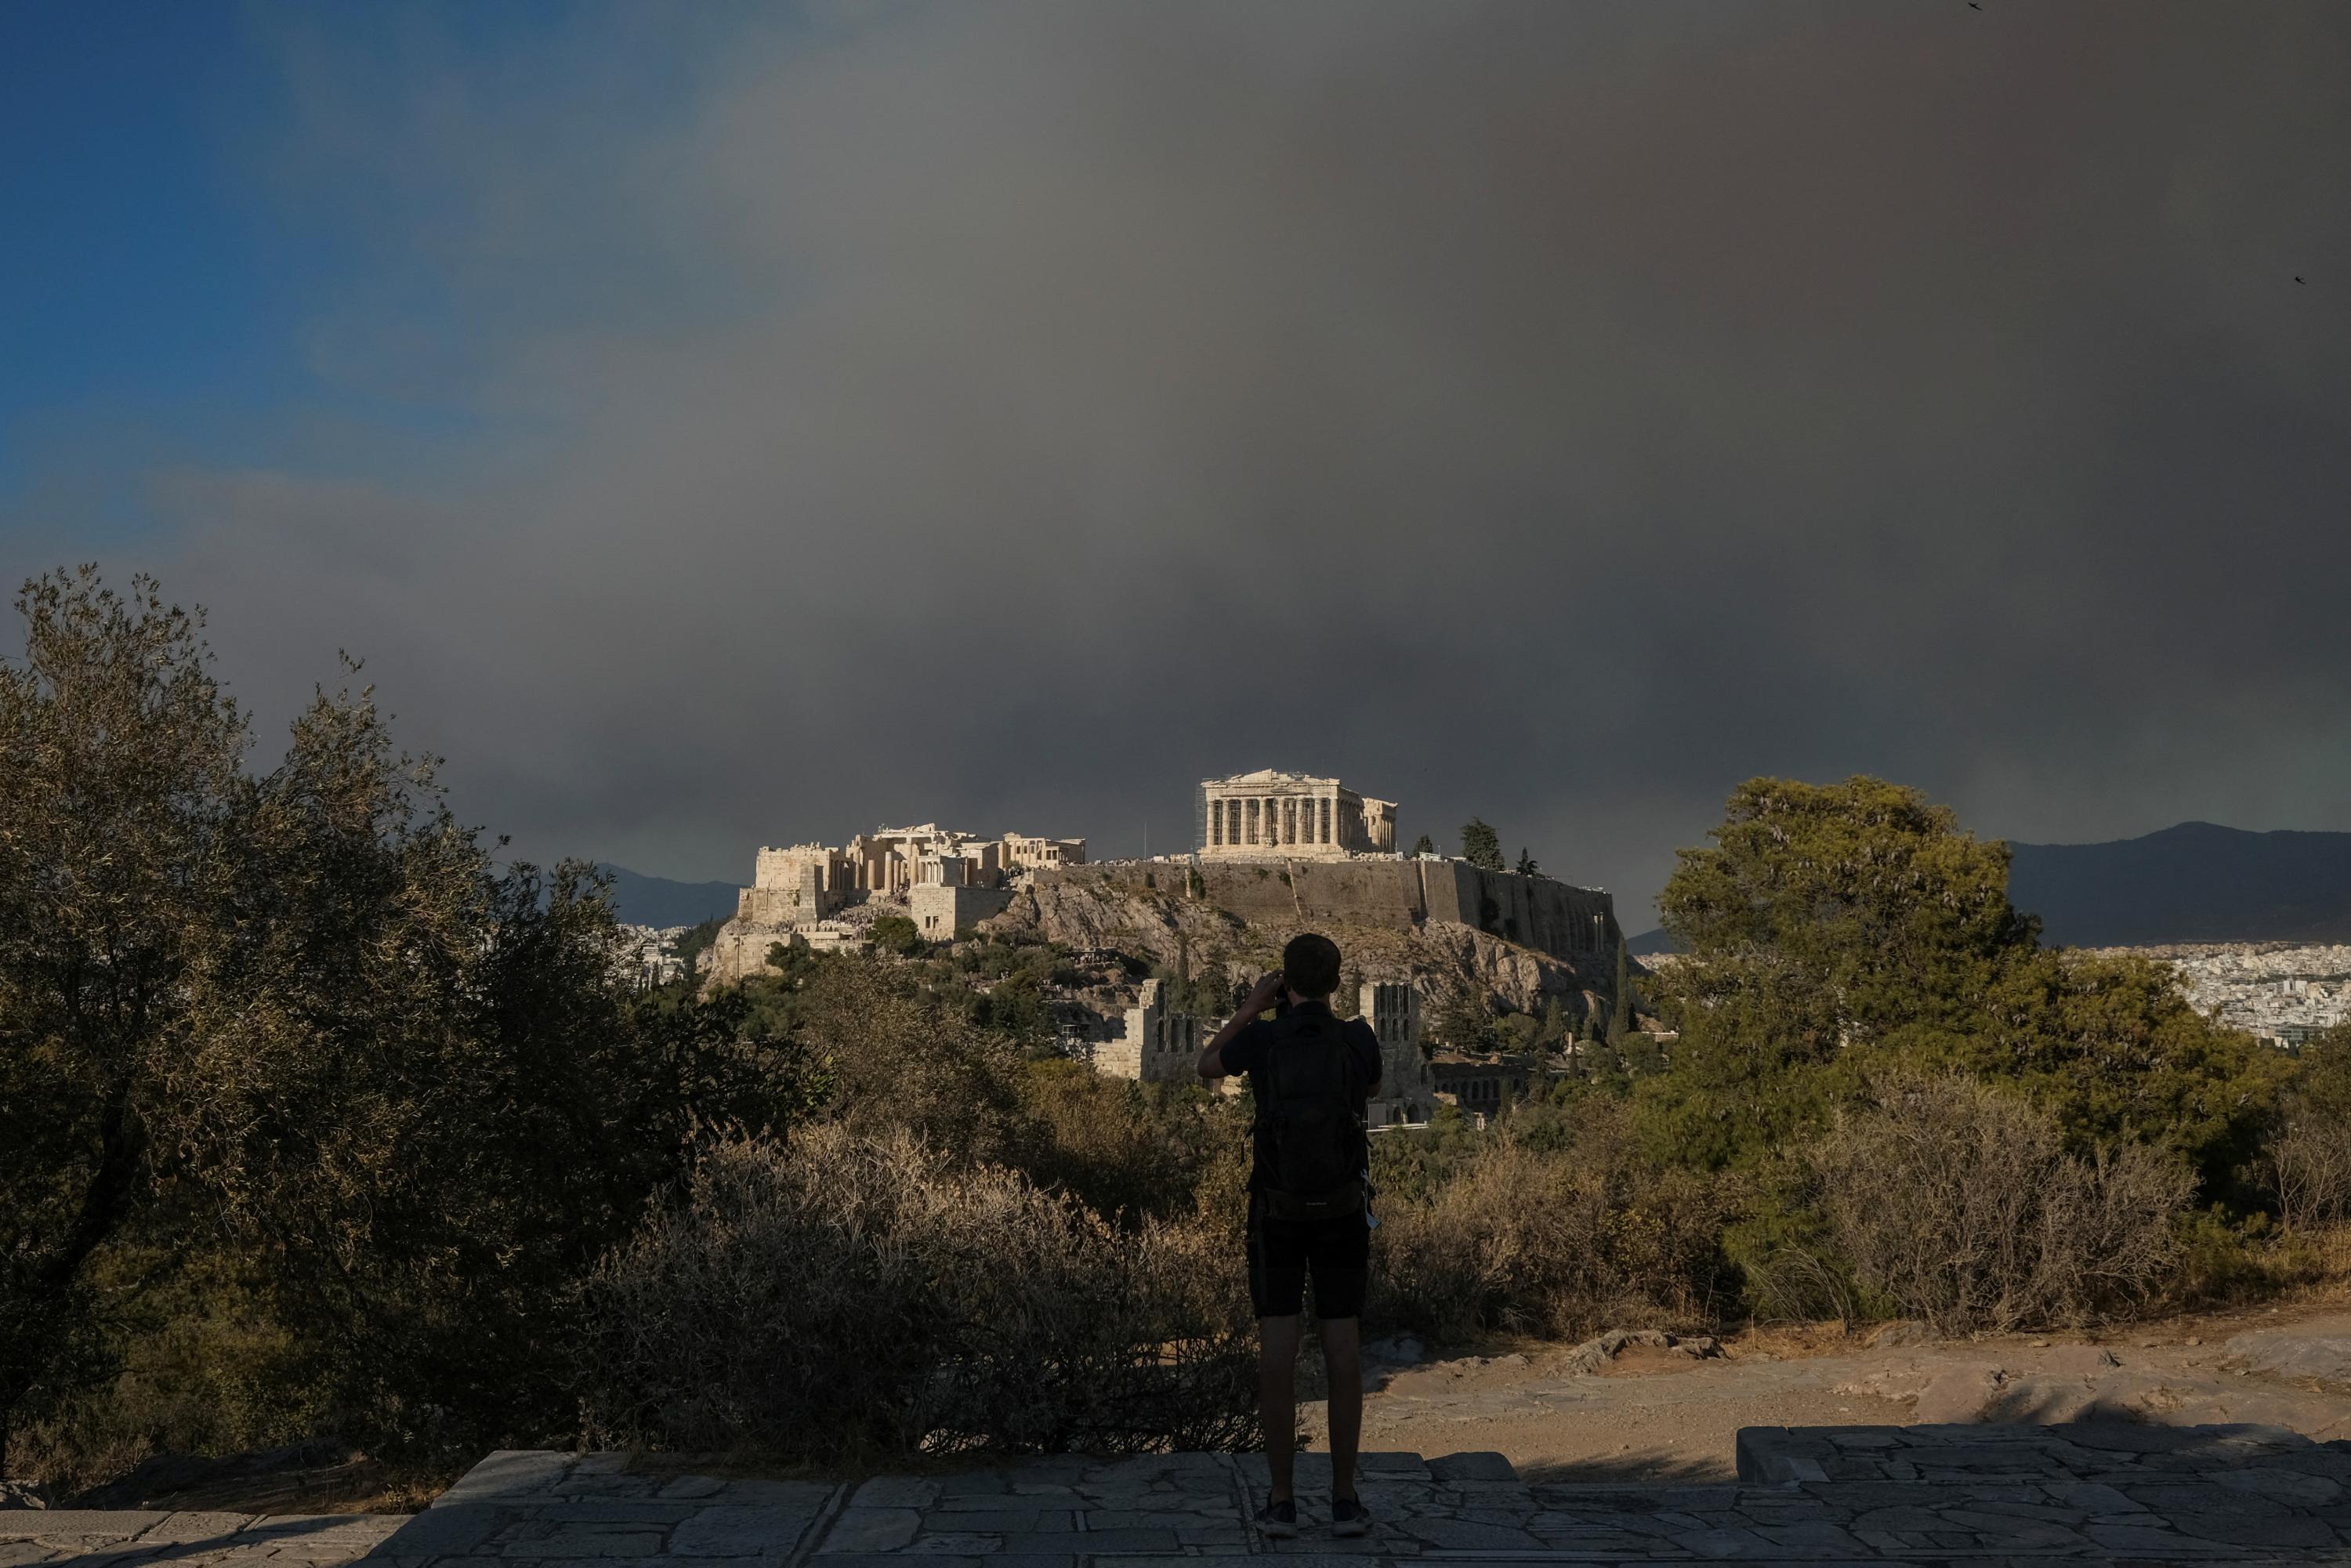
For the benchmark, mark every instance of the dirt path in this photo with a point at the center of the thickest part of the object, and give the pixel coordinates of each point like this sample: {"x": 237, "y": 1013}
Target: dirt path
{"x": 1657, "y": 1414}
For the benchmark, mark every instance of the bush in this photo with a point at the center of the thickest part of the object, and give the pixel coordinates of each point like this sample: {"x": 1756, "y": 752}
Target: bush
{"x": 842, "y": 1294}
{"x": 1563, "y": 1242}
{"x": 1958, "y": 1204}
{"x": 2309, "y": 1162}
{"x": 2308, "y": 1159}
{"x": 1123, "y": 1149}
{"x": 901, "y": 1060}
{"x": 2226, "y": 1262}
{"x": 198, "y": 1367}
{"x": 896, "y": 933}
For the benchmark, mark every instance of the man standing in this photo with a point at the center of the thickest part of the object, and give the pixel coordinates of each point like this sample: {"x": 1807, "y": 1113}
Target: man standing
{"x": 1308, "y": 1195}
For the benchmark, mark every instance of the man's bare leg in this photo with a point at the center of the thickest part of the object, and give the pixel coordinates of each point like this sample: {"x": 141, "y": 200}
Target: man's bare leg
{"x": 1277, "y": 1380}
{"x": 1343, "y": 1357}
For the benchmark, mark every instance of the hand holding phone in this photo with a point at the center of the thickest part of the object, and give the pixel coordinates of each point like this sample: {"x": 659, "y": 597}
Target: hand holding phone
{"x": 1269, "y": 992}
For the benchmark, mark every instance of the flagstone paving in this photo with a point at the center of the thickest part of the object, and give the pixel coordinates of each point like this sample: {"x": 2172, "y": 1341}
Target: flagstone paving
{"x": 100, "y": 1539}
{"x": 1981, "y": 1496}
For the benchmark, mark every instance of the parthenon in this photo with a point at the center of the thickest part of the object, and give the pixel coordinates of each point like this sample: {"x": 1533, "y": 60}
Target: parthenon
{"x": 1268, "y": 814}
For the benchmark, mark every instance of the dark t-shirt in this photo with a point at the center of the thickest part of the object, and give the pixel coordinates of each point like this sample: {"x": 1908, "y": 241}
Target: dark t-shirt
{"x": 1249, "y": 1049}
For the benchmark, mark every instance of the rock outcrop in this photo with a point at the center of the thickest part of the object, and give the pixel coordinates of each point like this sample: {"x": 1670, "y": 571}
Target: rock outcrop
{"x": 2316, "y": 1354}
{"x": 1168, "y": 927}
{"x": 1152, "y": 924}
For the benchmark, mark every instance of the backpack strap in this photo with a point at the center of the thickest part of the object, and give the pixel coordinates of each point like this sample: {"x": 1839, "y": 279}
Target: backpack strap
{"x": 1272, "y": 1095}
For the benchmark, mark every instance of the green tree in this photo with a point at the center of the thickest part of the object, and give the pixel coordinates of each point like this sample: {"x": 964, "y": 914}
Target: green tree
{"x": 1834, "y": 931}
{"x": 416, "y": 1103}
{"x": 1017, "y": 1006}
{"x": 1557, "y": 1032}
{"x": 896, "y": 933}
{"x": 1518, "y": 1031}
{"x": 300, "y": 1032}
{"x": 1480, "y": 845}
{"x": 1620, "y": 1014}
{"x": 1824, "y": 918}
{"x": 2322, "y": 1075}
{"x": 119, "y": 788}
{"x": 694, "y": 942}
{"x": 1527, "y": 866}
{"x": 1464, "y": 1023}
{"x": 2108, "y": 1045}
{"x": 1423, "y": 845}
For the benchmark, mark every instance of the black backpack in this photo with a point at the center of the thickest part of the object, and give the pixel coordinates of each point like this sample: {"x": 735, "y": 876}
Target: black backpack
{"x": 1310, "y": 1121}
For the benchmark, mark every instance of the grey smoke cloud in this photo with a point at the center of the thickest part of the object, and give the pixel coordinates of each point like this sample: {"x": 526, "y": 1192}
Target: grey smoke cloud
{"x": 1010, "y": 414}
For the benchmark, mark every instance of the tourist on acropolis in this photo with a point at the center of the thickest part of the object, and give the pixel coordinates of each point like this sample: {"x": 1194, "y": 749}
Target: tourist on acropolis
{"x": 1308, "y": 1206}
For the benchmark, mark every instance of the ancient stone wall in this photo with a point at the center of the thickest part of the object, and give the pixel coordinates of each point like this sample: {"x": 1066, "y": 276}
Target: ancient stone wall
{"x": 942, "y": 909}
{"x": 1538, "y": 912}
{"x": 1575, "y": 924}
{"x": 802, "y": 901}
{"x": 1407, "y": 1092}
{"x": 1151, "y": 1044}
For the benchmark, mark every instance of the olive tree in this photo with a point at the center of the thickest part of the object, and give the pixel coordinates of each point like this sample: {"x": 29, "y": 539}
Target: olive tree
{"x": 121, "y": 788}
{"x": 304, "y": 1021}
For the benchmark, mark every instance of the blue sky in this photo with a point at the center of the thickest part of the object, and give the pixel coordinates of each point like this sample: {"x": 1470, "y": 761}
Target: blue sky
{"x": 172, "y": 246}
{"x": 153, "y": 300}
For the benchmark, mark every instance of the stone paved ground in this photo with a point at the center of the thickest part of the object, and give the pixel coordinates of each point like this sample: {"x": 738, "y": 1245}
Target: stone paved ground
{"x": 1978, "y": 1496}
{"x": 103, "y": 1539}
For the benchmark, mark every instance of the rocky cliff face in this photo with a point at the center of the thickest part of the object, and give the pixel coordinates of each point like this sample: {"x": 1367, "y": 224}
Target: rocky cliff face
{"x": 1152, "y": 924}
{"x": 1192, "y": 935}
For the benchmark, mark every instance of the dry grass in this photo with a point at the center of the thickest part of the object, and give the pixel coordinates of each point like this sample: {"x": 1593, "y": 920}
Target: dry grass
{"x": 843, "y": 1294}
{"x": 1789, "y": 1341}
{"x": 1797, "y": 1285}
{"x": 1960, "y": 1204}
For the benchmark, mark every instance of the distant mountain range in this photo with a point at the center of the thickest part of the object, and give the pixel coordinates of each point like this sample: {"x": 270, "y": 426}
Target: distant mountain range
{"x": 657, "y": 901}
{"x": 2196, "y": 883}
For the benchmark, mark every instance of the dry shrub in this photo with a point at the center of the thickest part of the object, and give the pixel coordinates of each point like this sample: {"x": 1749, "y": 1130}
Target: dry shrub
{"x": 1560, "y": 1242}
{"x": 1960, "y": 1204}
{"x": 846, "y": 1292}
{"x": 2310, "y": 1166}
{"x": 903, "y": 1063}
{"x": 1125, "y": 1148}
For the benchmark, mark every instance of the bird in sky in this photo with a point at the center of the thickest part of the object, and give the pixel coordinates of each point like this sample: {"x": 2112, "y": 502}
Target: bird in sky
{"x": 2297, "y": 277}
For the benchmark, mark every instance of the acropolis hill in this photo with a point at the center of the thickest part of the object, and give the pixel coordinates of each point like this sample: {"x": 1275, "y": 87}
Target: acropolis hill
{"x": 1275, "y": 853}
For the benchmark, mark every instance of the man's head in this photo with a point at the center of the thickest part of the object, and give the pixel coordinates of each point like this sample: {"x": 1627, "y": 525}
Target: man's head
{"x": 1310, "y": 966}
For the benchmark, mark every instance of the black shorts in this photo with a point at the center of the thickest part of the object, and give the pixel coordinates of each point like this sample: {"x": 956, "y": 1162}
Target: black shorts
{"x": 1282, "y": 1252}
